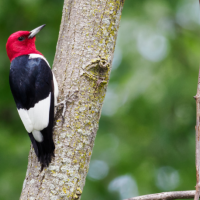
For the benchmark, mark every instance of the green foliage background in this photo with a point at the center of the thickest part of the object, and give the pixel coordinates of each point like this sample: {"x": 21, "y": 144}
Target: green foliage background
{"x": 146, "y": 140}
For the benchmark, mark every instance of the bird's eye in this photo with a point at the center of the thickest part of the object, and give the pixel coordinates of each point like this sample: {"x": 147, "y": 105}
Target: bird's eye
{"x": 21, "y": 38}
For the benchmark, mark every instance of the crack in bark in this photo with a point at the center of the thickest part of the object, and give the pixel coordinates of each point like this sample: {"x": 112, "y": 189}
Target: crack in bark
{"x": 102, "y": 19}
{"x": 41, "y": 182}
{"x": 68, "y": 28}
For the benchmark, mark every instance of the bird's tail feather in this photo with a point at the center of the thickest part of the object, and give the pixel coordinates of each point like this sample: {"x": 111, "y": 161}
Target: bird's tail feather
{"x": 44, "y": 150}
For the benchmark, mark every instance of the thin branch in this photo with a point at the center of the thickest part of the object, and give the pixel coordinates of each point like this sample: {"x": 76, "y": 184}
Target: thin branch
{"x": 166, "y": 196}
{"x": 197, "y": 98}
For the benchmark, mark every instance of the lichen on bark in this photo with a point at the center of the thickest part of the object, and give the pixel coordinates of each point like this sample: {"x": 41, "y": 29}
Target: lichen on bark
{"x": 82, "y": 67}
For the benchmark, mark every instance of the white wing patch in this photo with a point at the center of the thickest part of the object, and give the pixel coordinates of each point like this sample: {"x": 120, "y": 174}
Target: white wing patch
{"x": 25, "y": 120}
{"x": 39, "y": 114}
{"x": 37, "y": 118}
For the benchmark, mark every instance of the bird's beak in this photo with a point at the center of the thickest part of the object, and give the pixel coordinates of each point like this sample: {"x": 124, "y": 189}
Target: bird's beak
{"x": 36, "y": 30}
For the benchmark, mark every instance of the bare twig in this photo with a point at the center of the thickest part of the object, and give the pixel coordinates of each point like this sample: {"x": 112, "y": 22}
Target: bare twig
{"x": 166, "y": 196}
{"x": 197, "y": 98}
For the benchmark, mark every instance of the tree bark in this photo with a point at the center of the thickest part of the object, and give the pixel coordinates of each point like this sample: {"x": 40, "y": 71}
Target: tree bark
{"x": 82, "y": 67}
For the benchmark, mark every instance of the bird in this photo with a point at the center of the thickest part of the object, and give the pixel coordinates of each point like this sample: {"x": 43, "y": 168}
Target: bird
{"x": 35, "y": 91}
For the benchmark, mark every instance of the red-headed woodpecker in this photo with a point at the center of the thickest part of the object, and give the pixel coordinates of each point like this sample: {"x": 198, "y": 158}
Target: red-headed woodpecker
{"x": 35, "y": 91}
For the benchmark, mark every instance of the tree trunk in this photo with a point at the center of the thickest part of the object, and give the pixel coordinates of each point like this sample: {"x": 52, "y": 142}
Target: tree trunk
{"x": 82, "y": 67}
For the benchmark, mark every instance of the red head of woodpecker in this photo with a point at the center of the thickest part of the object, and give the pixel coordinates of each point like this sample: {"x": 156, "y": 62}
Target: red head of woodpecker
{"x": 22, "y": 43}
{"x": 35, "y": 91}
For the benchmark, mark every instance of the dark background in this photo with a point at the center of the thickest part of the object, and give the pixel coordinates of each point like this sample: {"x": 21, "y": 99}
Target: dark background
{"x": 146, "y": 140}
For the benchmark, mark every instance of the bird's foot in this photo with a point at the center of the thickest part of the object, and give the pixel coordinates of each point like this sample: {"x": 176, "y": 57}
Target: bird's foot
{"x": 64, "y": 103}
{"x": 68, "y": 98}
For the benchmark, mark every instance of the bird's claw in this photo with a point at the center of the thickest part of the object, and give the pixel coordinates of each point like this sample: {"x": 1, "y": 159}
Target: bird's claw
{"x": 64, "y": 103}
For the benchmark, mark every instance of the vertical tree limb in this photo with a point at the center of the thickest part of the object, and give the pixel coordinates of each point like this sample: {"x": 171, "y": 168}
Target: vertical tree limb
{"x": 82, "y": 67}
{"x": 197, "y": 98}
